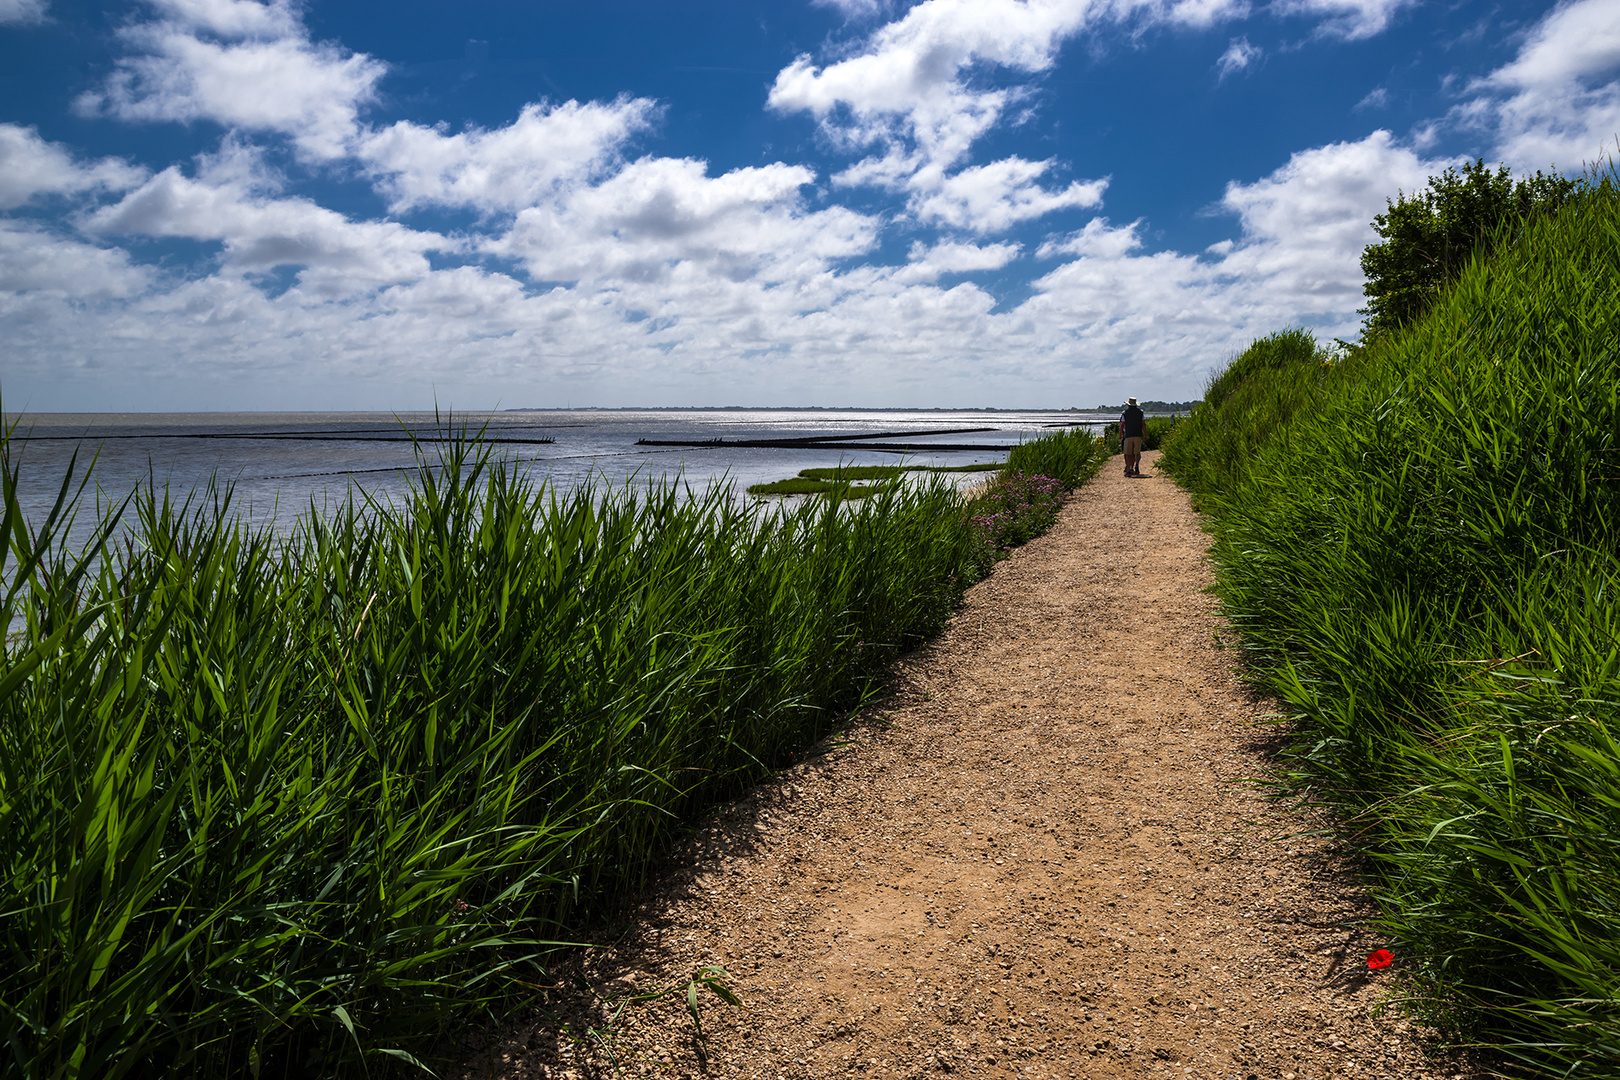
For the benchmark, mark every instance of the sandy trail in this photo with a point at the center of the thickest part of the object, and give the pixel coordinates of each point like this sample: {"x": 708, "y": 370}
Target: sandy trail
{"x": 1039, "y": 858}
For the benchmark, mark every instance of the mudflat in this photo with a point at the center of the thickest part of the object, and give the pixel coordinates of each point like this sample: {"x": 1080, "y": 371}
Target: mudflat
{"x": 1044, "y": 855}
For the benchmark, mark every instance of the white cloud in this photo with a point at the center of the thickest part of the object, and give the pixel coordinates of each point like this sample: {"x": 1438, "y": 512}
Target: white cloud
{"x": 227, "y": 203}
{"x": 1239, "y": 56}
{"x": 1376, "y": 98}
{"x": 1575, "y": 41}
{"x": 508, "y": 168}
{"x": 1098, "y": 239}
{"x": 1204, "y": 13}
{"x": 1306, "y": 224}
{"x": 1352, "y": 20}
{"x": 1558, "y": 101}
{"x": 32, "y": 259}
{"x": 658, "y": 213}
{"x": 22, "y": 12}
{"x": 927, "y": 264}
{"x": 256, "y": 70}
{"x": 908, "y": 81}
{"x": 30, "y": 166}
{"x": 993, "y": 197}
{"x": 234, "y": 18}
{"x": 855, "y": 9}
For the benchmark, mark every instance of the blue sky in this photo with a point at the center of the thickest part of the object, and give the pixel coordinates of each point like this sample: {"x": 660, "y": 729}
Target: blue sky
{"x": 227, "y": 204}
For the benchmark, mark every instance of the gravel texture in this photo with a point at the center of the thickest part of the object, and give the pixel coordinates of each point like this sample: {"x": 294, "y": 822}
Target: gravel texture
{"x": 1044, "y": 855}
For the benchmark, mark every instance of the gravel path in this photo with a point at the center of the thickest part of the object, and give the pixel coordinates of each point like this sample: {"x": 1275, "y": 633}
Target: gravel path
{"x": 1040, "y": 857}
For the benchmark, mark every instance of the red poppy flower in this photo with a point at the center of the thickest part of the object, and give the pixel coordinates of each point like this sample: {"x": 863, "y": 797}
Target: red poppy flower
{"x": 1380, "y": 959}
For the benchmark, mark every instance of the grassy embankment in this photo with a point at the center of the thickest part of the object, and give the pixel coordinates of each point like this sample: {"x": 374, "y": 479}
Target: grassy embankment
{"x": 288, "y": 805}
{"x": 1418, "y": 542}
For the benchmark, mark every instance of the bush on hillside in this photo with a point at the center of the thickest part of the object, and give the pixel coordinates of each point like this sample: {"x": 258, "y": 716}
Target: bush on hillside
{"x": 1429, "y": 236}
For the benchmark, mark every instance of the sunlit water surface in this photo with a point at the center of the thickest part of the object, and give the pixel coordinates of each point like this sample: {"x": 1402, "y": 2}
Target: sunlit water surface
{"x": 280, "y": 463}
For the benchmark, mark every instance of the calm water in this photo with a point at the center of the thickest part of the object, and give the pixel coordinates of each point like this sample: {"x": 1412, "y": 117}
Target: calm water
{"x": 279, "y": 462}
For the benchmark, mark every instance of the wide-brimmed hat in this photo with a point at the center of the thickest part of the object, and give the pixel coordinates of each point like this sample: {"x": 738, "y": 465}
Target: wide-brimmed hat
{"x": 1130, "y": 401}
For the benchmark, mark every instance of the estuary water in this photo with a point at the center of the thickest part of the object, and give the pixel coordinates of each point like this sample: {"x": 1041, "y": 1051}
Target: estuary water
{"x": 281, "y": 463}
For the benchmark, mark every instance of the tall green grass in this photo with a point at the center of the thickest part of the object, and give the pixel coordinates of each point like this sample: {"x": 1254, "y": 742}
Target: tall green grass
{"x": 275, "y": 805}
{"x": 1418, "y": 541}
{"x": 1070, "y": 457}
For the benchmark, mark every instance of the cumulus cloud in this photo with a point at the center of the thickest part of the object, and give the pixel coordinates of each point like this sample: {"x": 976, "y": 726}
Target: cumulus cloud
{"x": 1098, "y": 240}
{"x": 991, "y": 198}
{"x": 1306, "y": 224}
{"x": 228, "y": 202}
{"x": 508, "y": 168}
{"x": 927, "y": 264}
{"x": 1558, "y": 101}
{"x": 242, "y": 64}
{"x": 33, "y": 259}
{"x": 1239, "y": 56}
{"x": 31, "y": 166}
{"x": 658, "y": 213}
{"x": 908, "y": 80}
{"x": 22, "y": 12}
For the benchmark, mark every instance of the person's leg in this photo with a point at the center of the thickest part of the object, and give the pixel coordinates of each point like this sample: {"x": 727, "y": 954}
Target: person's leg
{"x": 1133, "y": 455}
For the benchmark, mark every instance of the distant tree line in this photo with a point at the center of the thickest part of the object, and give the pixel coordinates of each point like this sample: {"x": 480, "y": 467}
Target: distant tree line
{"x": 1152, "y": 406}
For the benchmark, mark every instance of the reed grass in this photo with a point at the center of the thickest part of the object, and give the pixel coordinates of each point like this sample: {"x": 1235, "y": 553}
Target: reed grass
{"x": 1418, "y": 541}
{"x": 1069, "y": 457}
{"x": 284, "y": 805}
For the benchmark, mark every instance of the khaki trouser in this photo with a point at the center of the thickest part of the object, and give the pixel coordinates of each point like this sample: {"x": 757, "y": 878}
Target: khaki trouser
{"x": 1133, "y": 444}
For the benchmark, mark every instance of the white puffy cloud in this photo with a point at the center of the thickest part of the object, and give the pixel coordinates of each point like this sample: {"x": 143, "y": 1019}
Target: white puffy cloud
{"x": 22, "y": 12}
{"x": 1351, "y": 20}
{"x": 926, "y": 264}
{"x": 242, "y": 64}
{"x": 909, "y": 78}
{"x": 33, "y": 259}
{"x": 228, "y": 203}
{"x": 1239, "y": 56}
{"x": 1558, "y": 101}
{"x": 1306, "y": 224}
{"x": 993, "y": 197}
{"x": 657, "y": 213}
{"x": 508, "y": 168}
{"x": 1097, "y": 239}
{"x": 31, "y": 166}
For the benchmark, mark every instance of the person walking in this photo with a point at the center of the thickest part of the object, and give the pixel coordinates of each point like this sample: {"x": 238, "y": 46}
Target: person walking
{"x": 1132, "y": 429}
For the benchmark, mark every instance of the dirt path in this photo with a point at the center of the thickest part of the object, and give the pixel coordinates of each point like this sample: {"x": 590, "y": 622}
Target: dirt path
{"x": 1039, "y": 859}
